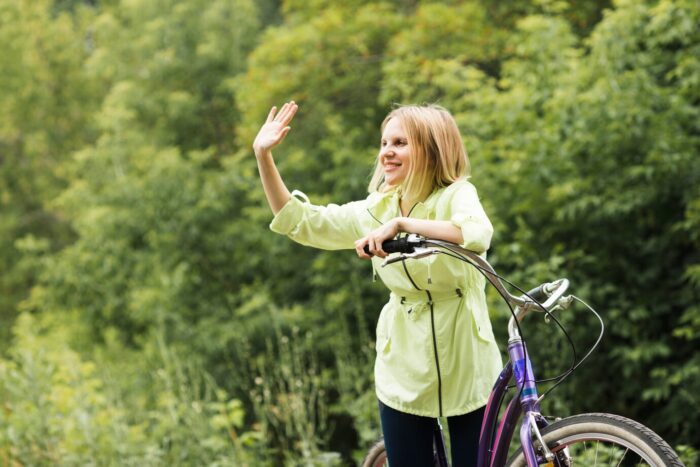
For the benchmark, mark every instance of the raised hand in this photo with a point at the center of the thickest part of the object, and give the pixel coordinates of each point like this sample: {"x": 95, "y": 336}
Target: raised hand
{"x": 275, "y": 128}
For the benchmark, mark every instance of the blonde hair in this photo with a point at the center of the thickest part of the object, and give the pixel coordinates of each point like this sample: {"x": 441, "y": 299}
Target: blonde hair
{"x": 438, "y": 157}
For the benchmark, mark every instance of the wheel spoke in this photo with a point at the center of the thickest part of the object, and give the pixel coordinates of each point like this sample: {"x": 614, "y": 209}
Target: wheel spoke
{"x": 595, "y": 458}
{"x": 622, "y": 457}
{"x": 604, "y": 440}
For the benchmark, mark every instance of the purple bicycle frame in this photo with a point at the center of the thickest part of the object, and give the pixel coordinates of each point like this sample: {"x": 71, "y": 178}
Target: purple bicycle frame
{"x": 493, "y": 444}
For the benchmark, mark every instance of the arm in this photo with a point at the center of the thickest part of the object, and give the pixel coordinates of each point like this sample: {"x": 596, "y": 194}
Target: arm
{"x": 439, "y": 230}
{"x": 467, "y": 226}
{"x": 329, "y": 227}
{"x": 276, "y": 191}
{"x": 270, "y": 135}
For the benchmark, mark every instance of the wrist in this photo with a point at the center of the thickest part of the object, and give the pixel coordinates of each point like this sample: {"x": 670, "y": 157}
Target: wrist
{"x": 400, "y": 224}
{"x": 262, "y": 152}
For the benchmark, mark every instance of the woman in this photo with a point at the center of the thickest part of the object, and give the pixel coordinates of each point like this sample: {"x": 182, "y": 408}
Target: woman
{"x": 436, "y": 353}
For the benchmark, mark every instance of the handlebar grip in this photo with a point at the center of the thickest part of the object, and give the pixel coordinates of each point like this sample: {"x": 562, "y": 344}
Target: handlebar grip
{"x": 395, "y": 246}
{"x": 538, "y": 293}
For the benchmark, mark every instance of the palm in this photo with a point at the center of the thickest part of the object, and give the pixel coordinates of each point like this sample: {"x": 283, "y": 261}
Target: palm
{"x": 270, "y": 134}
{"x": 275, "y": 127}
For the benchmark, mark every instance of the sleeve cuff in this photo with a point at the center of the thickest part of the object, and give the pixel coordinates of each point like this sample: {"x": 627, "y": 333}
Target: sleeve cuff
{"x": 458, "y": 219}
{"x": 476, "y": 235}
{"x": 289, "y": 217}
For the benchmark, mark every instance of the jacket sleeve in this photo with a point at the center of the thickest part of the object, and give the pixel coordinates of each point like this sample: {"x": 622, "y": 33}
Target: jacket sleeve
{"x": 331, "y": 227}
{"x": 466, "y": 212}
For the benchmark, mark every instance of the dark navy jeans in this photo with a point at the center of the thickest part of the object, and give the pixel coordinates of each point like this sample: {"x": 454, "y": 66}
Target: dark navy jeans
{"x": 409, "y": 438}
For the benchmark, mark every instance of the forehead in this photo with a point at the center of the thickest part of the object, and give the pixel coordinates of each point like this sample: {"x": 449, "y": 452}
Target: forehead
{"x": 393, "y": 129}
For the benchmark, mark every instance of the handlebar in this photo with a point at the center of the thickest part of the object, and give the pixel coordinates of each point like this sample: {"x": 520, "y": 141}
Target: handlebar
{"x": 538, "y": 293}
{"x": 401, "y": 245}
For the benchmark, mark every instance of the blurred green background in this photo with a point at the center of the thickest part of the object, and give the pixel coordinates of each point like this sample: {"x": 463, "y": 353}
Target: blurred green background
{"x": 149, "y": 317}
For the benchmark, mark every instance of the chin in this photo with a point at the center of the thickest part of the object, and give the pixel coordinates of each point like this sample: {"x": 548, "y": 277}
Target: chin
{"x": 393, "y": 181}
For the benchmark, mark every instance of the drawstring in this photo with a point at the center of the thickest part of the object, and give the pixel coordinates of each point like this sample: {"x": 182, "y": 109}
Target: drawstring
{"x": 430, "y": 301}
{"x": 430, "y": 279}
{"x": 374, "y": 273}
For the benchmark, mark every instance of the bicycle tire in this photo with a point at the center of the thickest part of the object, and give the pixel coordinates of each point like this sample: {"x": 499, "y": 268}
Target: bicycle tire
{"x": 623, "y": 441}
{"x": 376, "y": 456}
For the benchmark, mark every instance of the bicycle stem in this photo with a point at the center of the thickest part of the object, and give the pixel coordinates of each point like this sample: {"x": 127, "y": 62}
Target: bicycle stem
{"x": 556, "y": 289}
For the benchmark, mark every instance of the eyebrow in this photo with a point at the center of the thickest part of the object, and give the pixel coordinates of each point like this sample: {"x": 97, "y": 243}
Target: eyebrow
{"x": 395, "y": 137}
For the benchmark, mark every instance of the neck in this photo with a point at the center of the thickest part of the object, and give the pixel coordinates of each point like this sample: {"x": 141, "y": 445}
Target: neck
{"x": 405, "y": 206}
{"x": 411, "y": 198}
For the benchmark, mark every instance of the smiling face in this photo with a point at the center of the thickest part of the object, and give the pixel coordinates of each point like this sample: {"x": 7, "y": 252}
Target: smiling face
{"x": 421, "y": 150}
{"x": 395, "y": 153}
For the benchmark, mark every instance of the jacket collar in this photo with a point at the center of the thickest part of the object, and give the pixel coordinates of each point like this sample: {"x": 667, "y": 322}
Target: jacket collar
{"x": 384, "y": 206}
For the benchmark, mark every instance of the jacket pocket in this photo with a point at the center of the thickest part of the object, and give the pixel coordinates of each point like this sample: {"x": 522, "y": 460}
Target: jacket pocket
{"x": 383, "y": 344}
{"x": 482, "y": 324}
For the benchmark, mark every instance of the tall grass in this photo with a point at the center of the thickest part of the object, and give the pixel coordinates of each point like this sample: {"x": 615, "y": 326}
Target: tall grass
{"x": 59, "y": 408}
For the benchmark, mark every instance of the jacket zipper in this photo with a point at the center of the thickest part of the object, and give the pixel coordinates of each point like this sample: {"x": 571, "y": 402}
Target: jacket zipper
{"x": 435, "y": 351}
{"x": 432, "y": 329}
{"x": 432, "y": 318}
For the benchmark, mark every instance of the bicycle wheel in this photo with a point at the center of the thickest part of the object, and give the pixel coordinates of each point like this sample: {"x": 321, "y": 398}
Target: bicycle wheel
{"x": 603, "y": 439}
{"x": 376, "y": 456}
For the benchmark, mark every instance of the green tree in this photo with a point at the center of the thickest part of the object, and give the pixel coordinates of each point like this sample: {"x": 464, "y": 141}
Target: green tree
{"x": 47, "y": 101}
{"x": 592, "y": 166}
{"x": 131, "y": 208}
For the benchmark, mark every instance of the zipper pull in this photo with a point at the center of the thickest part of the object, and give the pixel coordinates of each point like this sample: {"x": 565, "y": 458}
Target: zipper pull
{"x": 430, "y": 279}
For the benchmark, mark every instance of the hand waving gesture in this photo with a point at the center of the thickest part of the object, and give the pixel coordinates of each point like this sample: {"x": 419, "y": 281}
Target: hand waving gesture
{"x": 275, "y": 128}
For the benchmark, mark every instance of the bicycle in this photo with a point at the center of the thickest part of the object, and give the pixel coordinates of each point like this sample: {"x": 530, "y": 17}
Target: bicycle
{"x": 578, "y": 440}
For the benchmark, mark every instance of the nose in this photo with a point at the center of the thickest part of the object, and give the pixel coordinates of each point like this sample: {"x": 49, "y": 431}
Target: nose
{"x": 387, "y": 151}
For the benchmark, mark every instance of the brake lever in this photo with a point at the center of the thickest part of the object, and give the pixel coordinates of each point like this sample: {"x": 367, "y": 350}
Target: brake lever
{"x": 562, "y": 304}
{"x": 418, "y": 252}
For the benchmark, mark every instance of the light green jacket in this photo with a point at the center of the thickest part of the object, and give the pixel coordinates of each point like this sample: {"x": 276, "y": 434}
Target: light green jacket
{"x": 438, "y": 359}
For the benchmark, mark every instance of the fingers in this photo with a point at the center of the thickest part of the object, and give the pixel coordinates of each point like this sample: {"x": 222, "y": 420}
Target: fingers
{"x": 282, "y": 134}
{"x": 360, "y": 248}
{"x": 375, "y": 247}
{"x": 373, "y": 244}
{"x": 375, "y": 240}
{"x": 271, "y": 115}
{"x": 286, "y": 113}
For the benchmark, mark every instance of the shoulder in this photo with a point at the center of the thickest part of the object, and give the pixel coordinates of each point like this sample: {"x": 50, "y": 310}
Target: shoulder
{"x": 459, "y": 196}
{"x": 378, "y": 199}
{"x": 461, "y": 186}
{"x": 374, "y": 197}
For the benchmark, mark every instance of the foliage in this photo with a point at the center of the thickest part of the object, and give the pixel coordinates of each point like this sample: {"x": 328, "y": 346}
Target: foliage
{"x": 47, "y": 102}
{"x": 161, "y": 323}
{"x": 614, "y": 147}
{"x": 62, "y": 409}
